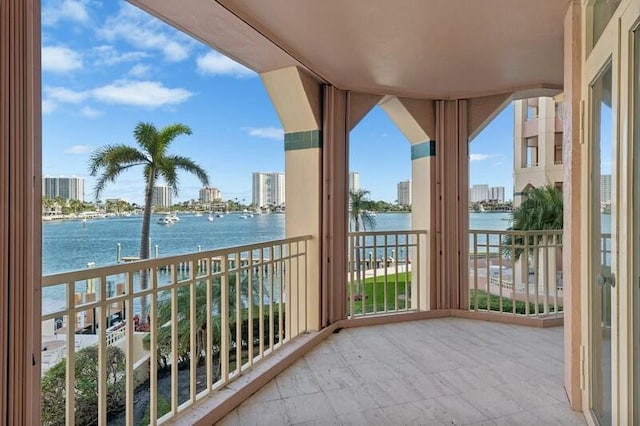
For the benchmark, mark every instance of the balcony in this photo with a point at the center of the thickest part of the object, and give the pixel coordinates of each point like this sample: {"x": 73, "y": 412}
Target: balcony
{"x": 178, "y": 338}
{"x": 436, "y": 372}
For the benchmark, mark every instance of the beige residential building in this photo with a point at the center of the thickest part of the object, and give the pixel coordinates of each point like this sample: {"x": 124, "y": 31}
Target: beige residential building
{"x": 537, "y": 139}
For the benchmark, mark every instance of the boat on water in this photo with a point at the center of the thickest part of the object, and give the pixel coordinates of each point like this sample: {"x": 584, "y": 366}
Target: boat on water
{"x": 174, "y": 217}
{"x": 210, "y": 218}
{"x": 198, "y": 214}
{"x": 243, "y": 216}
{"x": 166, "y": 220}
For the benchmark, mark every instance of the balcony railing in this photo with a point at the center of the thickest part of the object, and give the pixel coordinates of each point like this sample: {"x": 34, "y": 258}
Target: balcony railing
{"x": 168, "y": 331}
{"x": 385, "y": 268}
{"x": 516, "y": 272}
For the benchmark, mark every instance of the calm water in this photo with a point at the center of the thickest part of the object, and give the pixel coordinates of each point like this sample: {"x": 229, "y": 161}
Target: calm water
{"x": 70, "y": 245}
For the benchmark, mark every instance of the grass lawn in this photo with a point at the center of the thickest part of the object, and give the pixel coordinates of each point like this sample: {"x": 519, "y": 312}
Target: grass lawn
{"x": 507, "y": 304}
{"x": 396, "y": 284}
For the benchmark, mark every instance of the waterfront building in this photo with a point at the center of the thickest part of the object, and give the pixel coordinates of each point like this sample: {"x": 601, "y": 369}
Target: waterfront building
{"x": 162, "y": 196}
{"x": 496, "y": 193}
{"x": 537, "y": 139}
{"x": 441, "y": 72}
{"x": 605, "y": 188}
{"x": 479, "y": 193}
{"x": 268, "y": 189}
{"x": 354, "y": 181}
{"x": 404, "y": 193}
{"x": 209, "y": 194}
{"x": 69, "y": 188}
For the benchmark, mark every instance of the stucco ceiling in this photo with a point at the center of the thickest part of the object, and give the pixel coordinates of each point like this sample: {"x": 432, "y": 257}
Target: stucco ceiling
{"x": 434, "y": 49}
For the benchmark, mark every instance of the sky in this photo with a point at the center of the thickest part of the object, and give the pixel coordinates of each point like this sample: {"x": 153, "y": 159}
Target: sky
{"x": 108, "y": 66}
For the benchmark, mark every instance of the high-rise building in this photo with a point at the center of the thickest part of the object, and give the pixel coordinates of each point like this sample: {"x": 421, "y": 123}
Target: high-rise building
{"x": 537, "y": 132}
{"x": 404, "y": 193}
{"x": 478, "y": 193}
{"x": 69, "y": 188}
{"x": 496, "y": 193}
{"x": 209, "y": 194}
{"x": 354, "y": 181}
{"x": 161, "y": 196}
{"x": 268, "y": 189}
{"x": 605, "y": 188}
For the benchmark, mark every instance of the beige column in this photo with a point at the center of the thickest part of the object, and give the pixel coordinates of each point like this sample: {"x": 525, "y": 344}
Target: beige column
{"x": 416, "y": 120}
{"x": 297, "y": 98}
{"x": 20, "y": 212}
{"x": 572, "y": 188}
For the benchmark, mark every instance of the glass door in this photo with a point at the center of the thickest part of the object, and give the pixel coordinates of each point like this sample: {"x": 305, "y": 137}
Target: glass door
{"x": 602, "y": 243}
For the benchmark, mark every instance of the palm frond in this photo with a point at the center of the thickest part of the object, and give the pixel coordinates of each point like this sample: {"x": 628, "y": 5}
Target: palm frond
{"x": 190, "y": 166}
{"x": 146, "y": 136}
{"x": 169, "y": 133}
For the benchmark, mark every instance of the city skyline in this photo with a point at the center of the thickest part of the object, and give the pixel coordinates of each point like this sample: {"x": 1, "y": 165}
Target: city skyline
{"x": 107, "y": 66}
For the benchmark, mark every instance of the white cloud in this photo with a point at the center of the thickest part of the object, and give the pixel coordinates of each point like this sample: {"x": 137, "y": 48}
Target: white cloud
{"x": 78, "y": 149}
{"x": 266, "y": 132}
{"x": 60, "y": 59}
{"x": 89, "y": 112}
{"x": 481, "y": 157}
{"x": 62, "y": 94}
{"x": 149, "y": 94}
{"x": 214, "y": 63}
{"x": 145, "y": 32}
{"x": 139, "y": 70}
{"x": 71, "y": 10}
{"x": 108, "y": 55}
{"x": 48, "y": 106}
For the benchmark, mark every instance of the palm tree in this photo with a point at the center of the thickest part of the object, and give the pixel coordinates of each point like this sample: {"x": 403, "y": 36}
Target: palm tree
{"x": 360, "y": 217}
{"x": 541, "y": 209}
{"x": 112, "y": 160}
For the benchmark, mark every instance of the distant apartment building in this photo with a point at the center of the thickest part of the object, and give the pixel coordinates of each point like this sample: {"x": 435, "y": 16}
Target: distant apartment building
{"x": 479, "y": 193}
{"x": 537, "y": 131}
{"x": 209, "y": 194}
{"x": 69, "y": 188}
{"x": 161, "y": 196}
{"x": 354, "y": 181}
{"x": 404, "y": 193}
{"x": 605, "y": 188}
{"x": 496, "y": 193}
{"x": 268, "y": 189}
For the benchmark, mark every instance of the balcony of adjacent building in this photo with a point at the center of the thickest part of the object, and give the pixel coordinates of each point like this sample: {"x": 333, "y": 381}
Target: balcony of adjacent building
{"x": 190, "y": 338}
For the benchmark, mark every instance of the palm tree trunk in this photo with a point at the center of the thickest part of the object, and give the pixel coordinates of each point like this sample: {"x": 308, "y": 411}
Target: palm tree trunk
{"x": 144, "y": 244}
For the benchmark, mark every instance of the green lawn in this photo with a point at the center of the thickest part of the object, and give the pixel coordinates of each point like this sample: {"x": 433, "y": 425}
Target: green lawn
{"x": 507, "y": 304}
{"x": 395, "y": 284}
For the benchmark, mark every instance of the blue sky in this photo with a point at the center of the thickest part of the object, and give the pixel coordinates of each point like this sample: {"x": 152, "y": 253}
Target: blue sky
{"x": 108, "y": 66}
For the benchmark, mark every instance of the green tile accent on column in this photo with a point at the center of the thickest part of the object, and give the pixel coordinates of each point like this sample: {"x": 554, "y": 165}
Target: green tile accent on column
{"x": 303, "y": 140}
{"x": 423, "y": 149}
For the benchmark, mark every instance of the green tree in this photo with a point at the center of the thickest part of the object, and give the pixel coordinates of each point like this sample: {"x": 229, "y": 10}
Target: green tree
{"x": 201, "y": 314}
{"x": 541, "y": 209}
{"x": 110, "y": 161}
{"x": 86, "y": 387}
{"x": 361, "y": 218}
{"x": 359, "y": 210}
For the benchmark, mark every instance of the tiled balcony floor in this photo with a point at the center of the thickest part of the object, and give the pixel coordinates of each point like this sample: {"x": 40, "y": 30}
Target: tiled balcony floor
{"x": 447, "y": 371}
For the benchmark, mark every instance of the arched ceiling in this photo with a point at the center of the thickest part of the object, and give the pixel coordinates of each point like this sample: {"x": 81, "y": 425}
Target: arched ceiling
{"x": 435, "y": 49}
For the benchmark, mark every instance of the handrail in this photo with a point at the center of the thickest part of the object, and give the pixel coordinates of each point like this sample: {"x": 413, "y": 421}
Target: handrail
{"x": 225, "y": 309}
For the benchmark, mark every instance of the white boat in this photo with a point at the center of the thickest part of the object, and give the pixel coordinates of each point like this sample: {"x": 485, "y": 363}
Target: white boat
{"x": 198, "y": 214}
{"x": 210, "y": 218}
{"x": 165, "y": 220}
{"x": 242, "y": 216}
{"x": 174, "y": 217}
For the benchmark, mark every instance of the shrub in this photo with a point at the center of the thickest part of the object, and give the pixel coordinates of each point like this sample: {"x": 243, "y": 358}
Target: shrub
{"x": 86, "y": 387}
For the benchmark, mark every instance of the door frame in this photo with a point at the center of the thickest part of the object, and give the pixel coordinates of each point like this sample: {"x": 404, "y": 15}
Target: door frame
{"x": 615, "y": 46}
{"x": 596, "y": 59}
